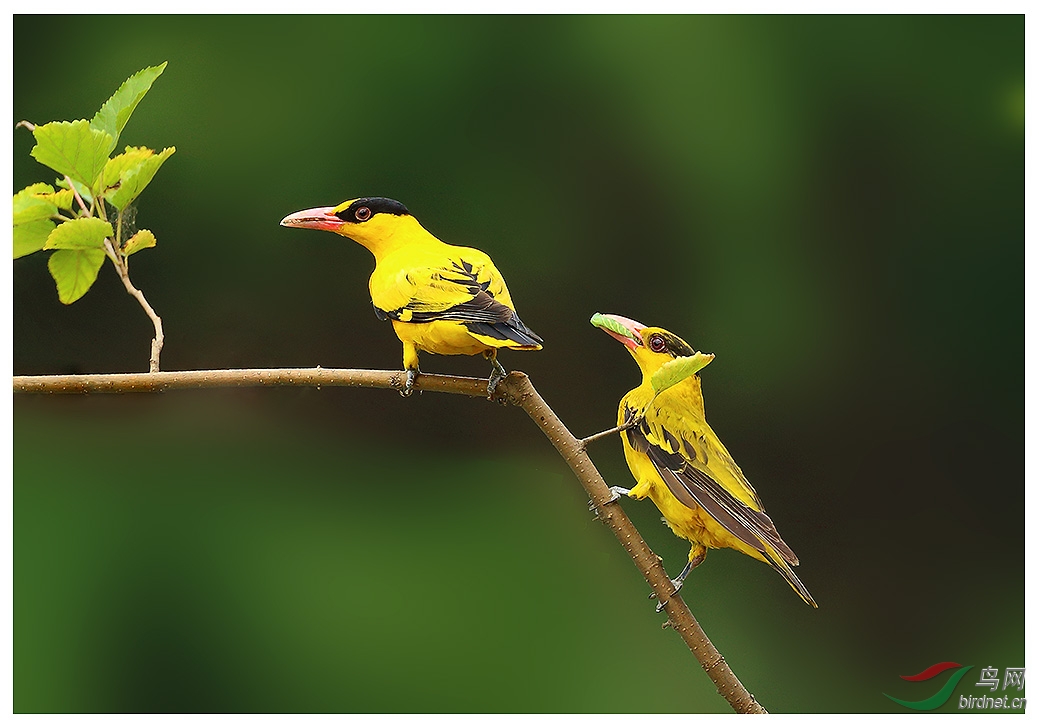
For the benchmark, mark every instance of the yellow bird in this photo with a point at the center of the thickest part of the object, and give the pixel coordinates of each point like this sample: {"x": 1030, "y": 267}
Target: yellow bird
{"x": 678, "y": 461}
{"x": 441, "y": 298}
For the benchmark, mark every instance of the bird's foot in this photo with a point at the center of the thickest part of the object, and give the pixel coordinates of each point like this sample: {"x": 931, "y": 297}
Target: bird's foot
{"x": 677, "y": 584}
{"x": 498, "y": 373}
{"x": 409, "y": 382}
{"x": 492, "y": 384}
{"x": 615, "y": 491}
{"x": 680, "y": 579}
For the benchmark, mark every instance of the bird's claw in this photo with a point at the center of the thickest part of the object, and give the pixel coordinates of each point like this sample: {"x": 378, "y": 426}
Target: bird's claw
{"x": 592, "y": 508}
{"x": 492, "y": 385}
{"x": 615, "y": 491}
{"x": 409, "y": 382}
{"x": 677, "y": 584}
{"x": 498, "y": 373}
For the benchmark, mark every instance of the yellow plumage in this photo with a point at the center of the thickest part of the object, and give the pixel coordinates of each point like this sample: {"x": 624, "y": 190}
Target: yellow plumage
{"x": 680, "y": 464}
{"x": 442, "y": 299}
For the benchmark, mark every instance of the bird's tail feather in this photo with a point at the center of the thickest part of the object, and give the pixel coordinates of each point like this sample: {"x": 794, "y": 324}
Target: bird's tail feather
{"x": 512, "y": 330}
{"x": 779, "y": 564}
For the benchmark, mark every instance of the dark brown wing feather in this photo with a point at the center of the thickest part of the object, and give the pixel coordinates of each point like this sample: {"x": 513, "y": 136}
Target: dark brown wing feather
{"x": 695, "y": 488}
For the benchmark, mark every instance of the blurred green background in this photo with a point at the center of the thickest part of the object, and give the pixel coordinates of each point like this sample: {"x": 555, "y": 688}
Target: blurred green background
{"x": 832, "y": 205}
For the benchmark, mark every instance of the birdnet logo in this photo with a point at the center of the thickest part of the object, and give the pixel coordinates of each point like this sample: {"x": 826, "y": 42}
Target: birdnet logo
{"x": 1013, "y": 677}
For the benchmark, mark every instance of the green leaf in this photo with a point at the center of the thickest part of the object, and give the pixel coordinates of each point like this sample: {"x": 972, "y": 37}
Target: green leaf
{"x": 678, "y": 369}
{"x": 134, "y": 174}
{"x": 74, "y": 272}
{"x": 119, "y": 164}
{"x": 28, "y": 206}
{"x": 142, "y": 239}
{"x": 30, "y": 237}
{"x": 607, "y": 323}
{"x": 37, "y": 188}
{"x": 62, "y": 199}
{"x": 85, "y": 233}
{"x": 114, "y": 113}
{"x": 72, "y": 148}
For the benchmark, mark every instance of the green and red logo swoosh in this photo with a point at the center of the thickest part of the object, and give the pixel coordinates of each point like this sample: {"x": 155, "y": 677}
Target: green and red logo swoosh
{"x": 943, "y": 694}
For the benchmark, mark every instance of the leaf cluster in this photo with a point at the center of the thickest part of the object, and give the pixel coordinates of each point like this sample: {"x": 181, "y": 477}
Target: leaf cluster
{"x": 81, "y": 218}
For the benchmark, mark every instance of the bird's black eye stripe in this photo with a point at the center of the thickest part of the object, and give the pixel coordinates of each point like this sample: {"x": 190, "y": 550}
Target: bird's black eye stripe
{"x": 374, "y": 205}
{"x": 675, "y": 345}
{"x": 665, "y": 341}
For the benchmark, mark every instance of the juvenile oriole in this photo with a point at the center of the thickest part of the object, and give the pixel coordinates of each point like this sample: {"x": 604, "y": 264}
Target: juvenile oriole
{"x": 678, "y": 461}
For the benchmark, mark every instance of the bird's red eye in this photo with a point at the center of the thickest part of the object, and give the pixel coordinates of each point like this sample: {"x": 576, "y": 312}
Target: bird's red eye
{"x": 657, "y": 343}
{"x": 362, "y": 214}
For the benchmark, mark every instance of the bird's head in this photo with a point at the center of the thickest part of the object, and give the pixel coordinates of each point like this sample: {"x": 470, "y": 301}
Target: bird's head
{"x": 371, "y": 221}
{"x": 665, "y": 359}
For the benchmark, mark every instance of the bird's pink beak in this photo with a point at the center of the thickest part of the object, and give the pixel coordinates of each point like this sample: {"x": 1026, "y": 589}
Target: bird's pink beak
{"x": 317, "y": 218}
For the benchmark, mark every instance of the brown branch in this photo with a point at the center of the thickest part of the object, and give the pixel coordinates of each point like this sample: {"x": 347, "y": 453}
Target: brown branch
{"x": 516, "y": 389}
{"x": 207, "y": 379}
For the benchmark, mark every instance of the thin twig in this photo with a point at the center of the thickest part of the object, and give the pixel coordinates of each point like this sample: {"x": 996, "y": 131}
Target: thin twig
{"x": 516, "y": 389}
{"x": 123, "y": 270}
{"x": 606, "y": 433}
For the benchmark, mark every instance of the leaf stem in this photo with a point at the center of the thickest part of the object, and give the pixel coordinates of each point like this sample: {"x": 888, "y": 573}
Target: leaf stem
{"x": 79, "y": 199}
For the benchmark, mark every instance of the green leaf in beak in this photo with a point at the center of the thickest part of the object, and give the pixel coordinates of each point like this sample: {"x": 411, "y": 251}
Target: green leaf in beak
{"x": 678, "y": 369}
{"x": 604, "y": 322}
